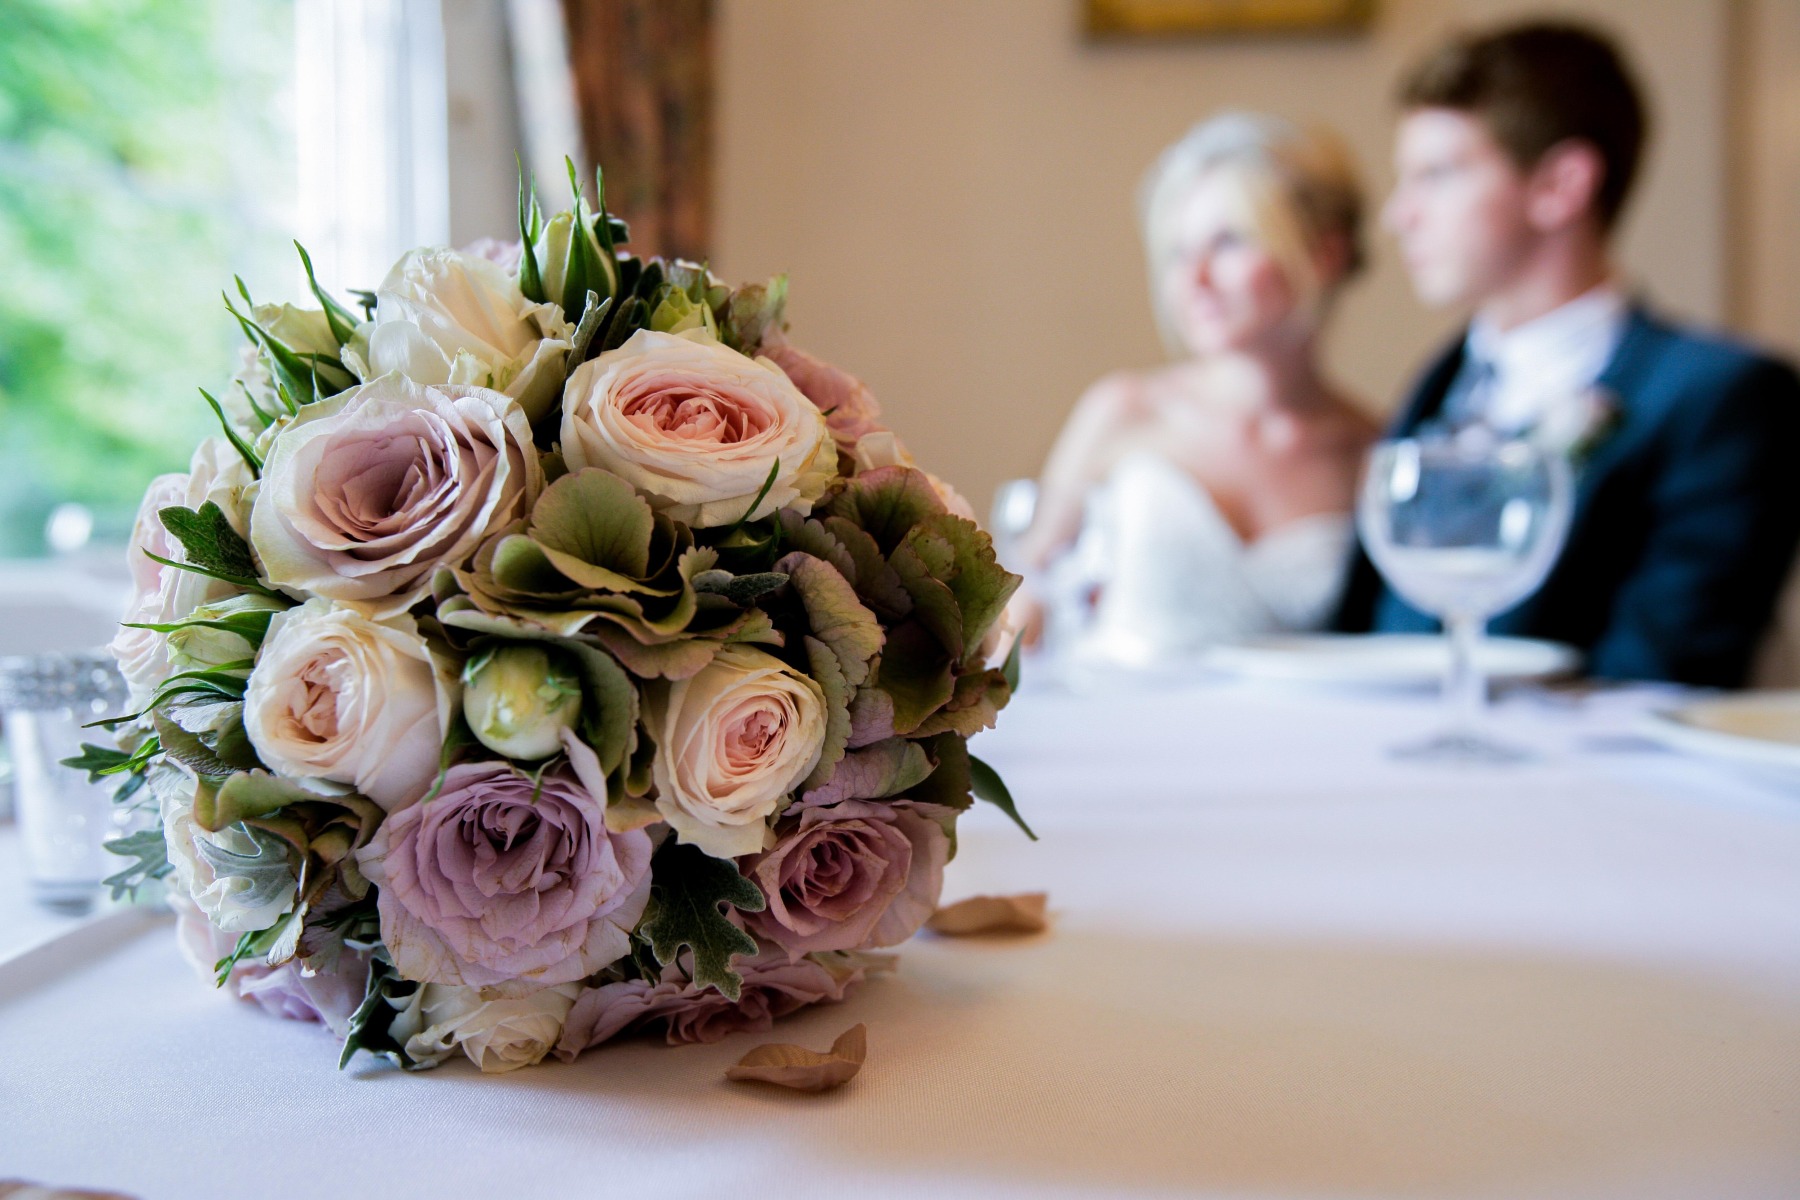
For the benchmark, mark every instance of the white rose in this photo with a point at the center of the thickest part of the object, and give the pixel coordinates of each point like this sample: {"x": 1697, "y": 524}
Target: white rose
{"x": 731, "y": 743}
{"x": 497, "y": 1035}
{"x": 337, "y": 696}
{"x": 695, "y": 426}
{"x": 446, "y": 317}
{"x": 242, "y": 880}
{"x": 302, "y": 330}
{"x": 161, "y": 594}
{"x": 365, "y": 495}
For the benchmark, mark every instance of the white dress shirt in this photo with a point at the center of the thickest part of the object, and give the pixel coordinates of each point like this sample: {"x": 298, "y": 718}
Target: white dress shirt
{"x": 1546, "y": 362}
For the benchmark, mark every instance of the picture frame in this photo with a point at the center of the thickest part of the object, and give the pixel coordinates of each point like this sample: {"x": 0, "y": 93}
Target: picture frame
{"x": 1108, "y": 19}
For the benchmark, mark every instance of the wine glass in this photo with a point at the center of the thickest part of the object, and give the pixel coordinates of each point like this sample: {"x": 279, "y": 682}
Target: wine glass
{"x": 1464, "y": 527}
{"x": 1015, "y": 506}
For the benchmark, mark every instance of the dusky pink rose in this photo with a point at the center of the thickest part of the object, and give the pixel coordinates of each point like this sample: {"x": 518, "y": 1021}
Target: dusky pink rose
{"x": 696, "y": 427}
{"x": 773, "y": 988}
{"x": 507, "y": 882}
{"x": 368, "y": 493}
{"x": 328, "y": 997}
{"x": 851, "y": 876}
{"x": 850, "y": 408}
{"x": 162, "y": 594}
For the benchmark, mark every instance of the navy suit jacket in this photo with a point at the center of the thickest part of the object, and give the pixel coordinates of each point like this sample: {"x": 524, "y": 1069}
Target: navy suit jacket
{"x": 1686, "y": 514}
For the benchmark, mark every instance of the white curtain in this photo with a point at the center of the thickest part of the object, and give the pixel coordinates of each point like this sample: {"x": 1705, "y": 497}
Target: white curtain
{"x": 372, "y": 134}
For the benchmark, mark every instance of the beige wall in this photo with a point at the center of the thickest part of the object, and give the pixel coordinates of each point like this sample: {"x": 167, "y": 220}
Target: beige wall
{"x": 950, "y": 183}
{"x": 1765, "y": 290}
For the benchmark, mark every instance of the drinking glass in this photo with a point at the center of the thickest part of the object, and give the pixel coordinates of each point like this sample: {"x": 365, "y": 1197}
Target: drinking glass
{"x": 1015, "y": 505}
{"x": 64, "y": 820}
{"x": 1464, "y": 527}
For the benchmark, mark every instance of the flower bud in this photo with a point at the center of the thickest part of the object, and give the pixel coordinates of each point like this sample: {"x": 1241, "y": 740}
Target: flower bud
{"x": 518, "y": 699}
{"x": 203, "y": 647}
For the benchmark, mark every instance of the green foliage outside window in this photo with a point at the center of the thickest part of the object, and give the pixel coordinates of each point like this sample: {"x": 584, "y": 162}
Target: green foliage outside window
{"x": 143, "y": 162}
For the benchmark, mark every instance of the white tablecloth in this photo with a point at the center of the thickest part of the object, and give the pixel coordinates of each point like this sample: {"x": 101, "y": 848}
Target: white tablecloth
{"x": 1281, "y": 965}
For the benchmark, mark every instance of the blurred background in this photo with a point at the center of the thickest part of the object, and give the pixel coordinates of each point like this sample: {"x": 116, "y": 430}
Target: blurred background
{"x": 950, "y": 183}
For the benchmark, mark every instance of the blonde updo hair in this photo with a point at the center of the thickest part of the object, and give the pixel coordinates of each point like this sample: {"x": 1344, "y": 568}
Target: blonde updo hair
{"x": 1297, "y": 187}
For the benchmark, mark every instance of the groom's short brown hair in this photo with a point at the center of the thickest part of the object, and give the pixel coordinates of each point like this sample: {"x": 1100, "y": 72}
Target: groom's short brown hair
{"x": 1538, "y": 84}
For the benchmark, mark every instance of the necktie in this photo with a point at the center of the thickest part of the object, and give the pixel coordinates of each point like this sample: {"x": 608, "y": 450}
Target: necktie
{"x": 1467, "y": 401}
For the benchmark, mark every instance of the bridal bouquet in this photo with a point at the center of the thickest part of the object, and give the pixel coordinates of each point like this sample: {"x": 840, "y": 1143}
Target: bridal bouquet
{"x": 547, "y": 651}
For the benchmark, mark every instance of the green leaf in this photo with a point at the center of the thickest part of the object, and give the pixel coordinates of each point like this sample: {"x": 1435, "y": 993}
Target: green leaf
{"x": 837, "y": 618}
{"x": 917, "y": 674}
{"x": 593, "y": 518}
{"x": 886, "y": 768}
{"x": 609, "y": 705}
{"x": 371, "y": 1025}
{"x": 531, "y": 278}
{"x": 300, "y": 378}
{"x": 252, "y": 626}
{"x": 210, "y": 542}
{"x": 688, "y": 886}
{"x": 828, "y": 672}
{"x": 774, "y": 472}
{"x": 343, "y": 325}
{"x": 151, "y": 855}
{"x": 269, "y": 871}
{"x": 962, "y": 556}
{"x": 243, "y": 448}
{"x": 1010, "y": 670}
{"x": 97, "y": 761}
{"x": 255, "y": 943}
{"x": 990, "y": 787}
{"x": 886, "y": 503}
{"x": 248, "y": 795}
{"x": 188, "y": 750}
{"x": 592, "y": 315}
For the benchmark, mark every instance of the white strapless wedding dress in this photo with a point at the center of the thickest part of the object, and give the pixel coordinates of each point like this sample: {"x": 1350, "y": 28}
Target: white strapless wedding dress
{"x": 1175, "y": 579}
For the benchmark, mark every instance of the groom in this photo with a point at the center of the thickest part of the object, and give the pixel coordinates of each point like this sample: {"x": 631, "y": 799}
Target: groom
{"x": 1516, "y": 152}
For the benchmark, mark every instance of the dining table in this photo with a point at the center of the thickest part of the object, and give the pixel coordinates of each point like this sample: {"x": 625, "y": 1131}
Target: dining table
{"x": 1280, "y": 962}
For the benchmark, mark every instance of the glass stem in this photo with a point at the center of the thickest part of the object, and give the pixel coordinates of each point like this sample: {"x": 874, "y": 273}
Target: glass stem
{"x": 1465, "y": 688}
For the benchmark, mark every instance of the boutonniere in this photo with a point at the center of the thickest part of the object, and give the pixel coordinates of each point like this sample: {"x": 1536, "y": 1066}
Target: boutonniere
{"x": 1579, "y": 426}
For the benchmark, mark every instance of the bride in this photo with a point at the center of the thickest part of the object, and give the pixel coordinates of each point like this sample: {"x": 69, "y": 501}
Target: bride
{"x": 1210, "y": 500}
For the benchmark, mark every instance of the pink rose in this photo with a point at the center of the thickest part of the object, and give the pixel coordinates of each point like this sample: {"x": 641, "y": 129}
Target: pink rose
{"x": 697, "y": 428}
{"x": 507, "y": 882}
{"x": 851, "y": 876}
{"x": 366, "y": 494}
{"x": 328, "y": 997}
{"x": 162, "y": 595}
{"x": 849, "y": 407}
{"x": 773, "y": 987}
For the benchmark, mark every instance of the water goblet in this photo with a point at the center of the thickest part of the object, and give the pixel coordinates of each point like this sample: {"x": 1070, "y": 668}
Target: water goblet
{"x": 1464, "y": 527}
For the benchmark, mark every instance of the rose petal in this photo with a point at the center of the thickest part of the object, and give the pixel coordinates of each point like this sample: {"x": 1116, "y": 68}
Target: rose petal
{"x": 21, "y": 1189}
{"x": 803, "y": 1070}
{"x": 1023, "y": 913}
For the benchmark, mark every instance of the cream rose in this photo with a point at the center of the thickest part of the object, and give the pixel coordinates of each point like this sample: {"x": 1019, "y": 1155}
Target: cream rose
{"x": 695, "y": 426}
{"x": 162, "y": 594}
{"x": 731, "y": 743}
{"x": 336, "y": 696}
{"x": 497, "y": 1035}
{"x": 366, "y": 494}
{"x": 448, "y": 317}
